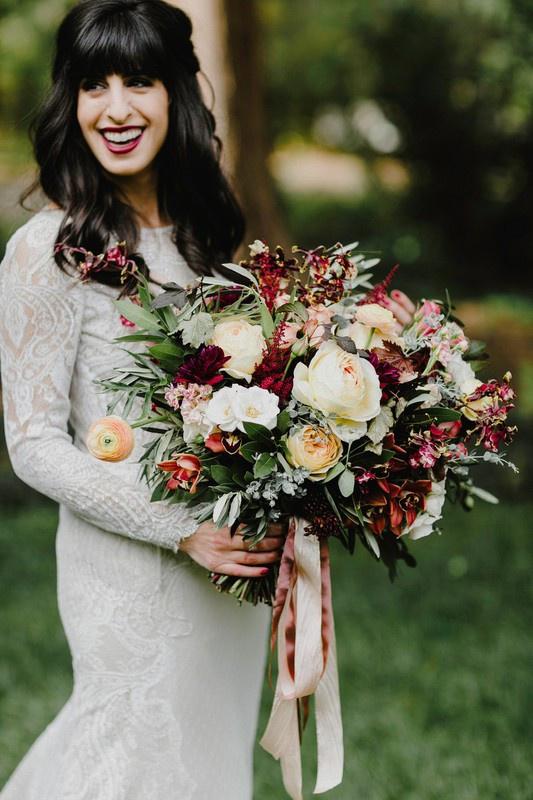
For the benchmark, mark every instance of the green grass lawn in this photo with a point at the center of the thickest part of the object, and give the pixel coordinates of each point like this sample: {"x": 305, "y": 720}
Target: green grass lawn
{"x": 435, "y": 670}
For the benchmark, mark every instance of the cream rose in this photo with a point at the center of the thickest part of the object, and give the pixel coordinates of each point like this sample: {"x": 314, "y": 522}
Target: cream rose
{"x": 243, "y": 343}
{"x": 315, "y": 449}
{"x": 373, "y": 325}
{"x": 339, "y": 384}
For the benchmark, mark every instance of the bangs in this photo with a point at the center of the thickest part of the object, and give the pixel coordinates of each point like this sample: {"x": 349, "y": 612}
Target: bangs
{"x": 123, "y": 44}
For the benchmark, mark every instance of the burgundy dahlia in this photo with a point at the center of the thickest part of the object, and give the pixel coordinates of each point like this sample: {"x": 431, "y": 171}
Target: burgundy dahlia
{"x": 203, "y": 367}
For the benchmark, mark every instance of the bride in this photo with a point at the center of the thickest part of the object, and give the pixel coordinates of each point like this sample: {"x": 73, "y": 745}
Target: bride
{"x": 167, "y": 672}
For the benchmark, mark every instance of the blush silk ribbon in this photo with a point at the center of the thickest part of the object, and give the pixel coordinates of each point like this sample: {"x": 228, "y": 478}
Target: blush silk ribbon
{"x": 302, "y": 624}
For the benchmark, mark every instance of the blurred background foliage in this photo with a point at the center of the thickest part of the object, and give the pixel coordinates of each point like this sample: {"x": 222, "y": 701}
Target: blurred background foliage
{"x": 407, "y": 125}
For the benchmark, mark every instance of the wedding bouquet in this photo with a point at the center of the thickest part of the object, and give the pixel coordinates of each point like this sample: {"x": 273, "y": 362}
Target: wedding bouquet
{"x": 289, "y": 390}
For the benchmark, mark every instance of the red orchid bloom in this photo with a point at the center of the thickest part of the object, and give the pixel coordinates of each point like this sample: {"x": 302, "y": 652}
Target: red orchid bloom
{"x": 185, "y": 472}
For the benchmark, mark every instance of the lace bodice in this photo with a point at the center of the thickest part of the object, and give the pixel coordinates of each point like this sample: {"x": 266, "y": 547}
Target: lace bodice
{"x": 56, "y": 338}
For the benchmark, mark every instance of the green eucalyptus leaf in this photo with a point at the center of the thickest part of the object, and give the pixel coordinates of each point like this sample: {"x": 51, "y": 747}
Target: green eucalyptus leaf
{"x": 139, "y": 316}
{"x": 346, "y": 483}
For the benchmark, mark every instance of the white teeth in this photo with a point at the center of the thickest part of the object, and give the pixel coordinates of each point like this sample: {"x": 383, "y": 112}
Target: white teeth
{"x": 123, "y": 136}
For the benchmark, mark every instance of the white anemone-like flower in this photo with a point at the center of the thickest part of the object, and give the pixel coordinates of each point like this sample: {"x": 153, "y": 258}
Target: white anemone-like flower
{"x": 232, "y": 406}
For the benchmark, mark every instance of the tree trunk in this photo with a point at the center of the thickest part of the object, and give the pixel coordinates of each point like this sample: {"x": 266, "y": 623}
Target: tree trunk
{"x": 227, "y": 37}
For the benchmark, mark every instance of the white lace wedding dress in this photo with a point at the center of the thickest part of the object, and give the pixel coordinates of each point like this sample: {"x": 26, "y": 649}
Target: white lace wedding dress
{"x": 167, "y": 672}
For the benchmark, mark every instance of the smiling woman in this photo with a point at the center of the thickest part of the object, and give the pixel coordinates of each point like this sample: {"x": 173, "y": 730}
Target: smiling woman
{"x": 120, "y": 115}
{"x": 125, "y": 67}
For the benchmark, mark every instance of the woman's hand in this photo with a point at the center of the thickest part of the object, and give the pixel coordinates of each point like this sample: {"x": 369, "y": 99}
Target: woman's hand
{"x": 218, "y": 551}
{"x": 402, "y": 307}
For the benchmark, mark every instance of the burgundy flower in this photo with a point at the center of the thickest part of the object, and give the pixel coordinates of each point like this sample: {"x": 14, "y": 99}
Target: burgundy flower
{"x": 386, "y": 373}
{"x": 394, "y": 507}
{"x": 202, "y": 367}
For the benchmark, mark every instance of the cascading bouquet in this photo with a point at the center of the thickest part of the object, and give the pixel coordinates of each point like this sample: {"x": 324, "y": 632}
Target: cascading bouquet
{"x": 289, "y": 390}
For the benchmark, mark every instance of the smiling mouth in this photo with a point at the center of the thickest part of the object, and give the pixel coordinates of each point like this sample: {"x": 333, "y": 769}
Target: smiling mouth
{"x": 119, "y": 137}
{"x": 122, "y": 141}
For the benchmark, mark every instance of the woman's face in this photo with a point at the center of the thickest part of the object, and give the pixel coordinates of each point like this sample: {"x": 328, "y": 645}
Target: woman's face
{"x": 124, "y": 120}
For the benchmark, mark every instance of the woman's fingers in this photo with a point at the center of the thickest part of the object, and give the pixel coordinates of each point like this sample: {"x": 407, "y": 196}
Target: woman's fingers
{"x": 405, "y": 301}
{"x": 277, "y": 529}
{"x": 242, "y": 557}
{"x": 401, "y": 313}
{"x": 268, "y": 543}
{"x": 229, "y": 568}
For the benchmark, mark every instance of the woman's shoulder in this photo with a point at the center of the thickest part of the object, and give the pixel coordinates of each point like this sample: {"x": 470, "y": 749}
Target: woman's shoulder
{"x": 29, "y": 254}
{"x": 39, "y": 228}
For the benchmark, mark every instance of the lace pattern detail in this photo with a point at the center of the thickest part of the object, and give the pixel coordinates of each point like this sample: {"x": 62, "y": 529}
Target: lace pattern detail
{"x": 56, "y": 338}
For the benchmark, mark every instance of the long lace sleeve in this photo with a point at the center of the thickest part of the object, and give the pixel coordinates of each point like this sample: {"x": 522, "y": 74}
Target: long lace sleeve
{"x": 41, "y": 314}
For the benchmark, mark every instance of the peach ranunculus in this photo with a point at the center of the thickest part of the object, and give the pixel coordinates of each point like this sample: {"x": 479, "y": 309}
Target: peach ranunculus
{"x": 314, "y": 449}
{"x": 110, "y": 439}
{"x": 185, "y": 471}
{"x": 373, "y": 325}
{"x": 243, "y": 343}
{"x": 339, "y": 384}
{"x": 319, "y": 317}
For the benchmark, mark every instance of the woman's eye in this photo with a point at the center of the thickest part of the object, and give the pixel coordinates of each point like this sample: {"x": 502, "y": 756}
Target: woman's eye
{"x": 89, "y": 85}
{"x": 139, "y": 80}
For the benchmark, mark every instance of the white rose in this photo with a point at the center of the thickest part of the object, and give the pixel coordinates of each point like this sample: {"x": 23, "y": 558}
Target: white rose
{"x": 219, "y": 411}
{"x": 462, "y": 374}
{"x": 339, "y": 384}
{"x": 232, "y": 406}
{"x": 244, "y": 343}
{"x": 425, "y": 522}
{"x": 255, "y": 405}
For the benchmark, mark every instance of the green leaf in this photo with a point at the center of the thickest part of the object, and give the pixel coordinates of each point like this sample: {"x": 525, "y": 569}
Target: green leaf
{"x": 334, "y": 471}
{"x": 141, "y": 337}
{"x": 248, "y": 451}
{"x": 257, "y": 432}
{"x": 196, "y": 330}
{"x": 221, "y": 474}
{"x": 346, "y": 483}
{"x": 243, "y": 272}
{"x": 436, "y": 414}
{"x": 295, "y": 308}
{"x": 284, "y": 421}
{"x": 139, "y": 316}
{"x": 483, "y": 495}
{"x": 264, "y": 465}
{"x": 166, "y": 350}
{"x": 267, "y": 323}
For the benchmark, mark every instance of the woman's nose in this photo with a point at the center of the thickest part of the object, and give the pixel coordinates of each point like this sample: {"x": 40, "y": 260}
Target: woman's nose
{"x": 118, "y": 108}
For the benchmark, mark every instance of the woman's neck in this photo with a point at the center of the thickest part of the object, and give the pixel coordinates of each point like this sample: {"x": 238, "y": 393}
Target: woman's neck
{"x": 140, "y": 192}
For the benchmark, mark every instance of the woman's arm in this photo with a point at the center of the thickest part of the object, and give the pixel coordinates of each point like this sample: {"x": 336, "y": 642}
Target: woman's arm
{"x": 41, "y": 311}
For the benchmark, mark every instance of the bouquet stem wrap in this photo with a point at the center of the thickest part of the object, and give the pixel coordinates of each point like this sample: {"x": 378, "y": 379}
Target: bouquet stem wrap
{"x": 302, "y": 623}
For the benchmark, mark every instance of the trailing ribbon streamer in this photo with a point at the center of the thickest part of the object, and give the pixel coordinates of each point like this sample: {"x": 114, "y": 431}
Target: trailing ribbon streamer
{"x": 302, "y": 623}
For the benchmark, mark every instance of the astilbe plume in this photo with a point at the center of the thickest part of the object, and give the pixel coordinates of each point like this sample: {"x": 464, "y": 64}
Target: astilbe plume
{"x": 270, "y": 373}
{"x": 273, "y": 272}
{"x": 379, "y": 293}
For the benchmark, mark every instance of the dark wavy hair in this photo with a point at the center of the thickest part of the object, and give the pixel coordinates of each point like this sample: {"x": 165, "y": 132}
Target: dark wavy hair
{"x": 128, "y": 37}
